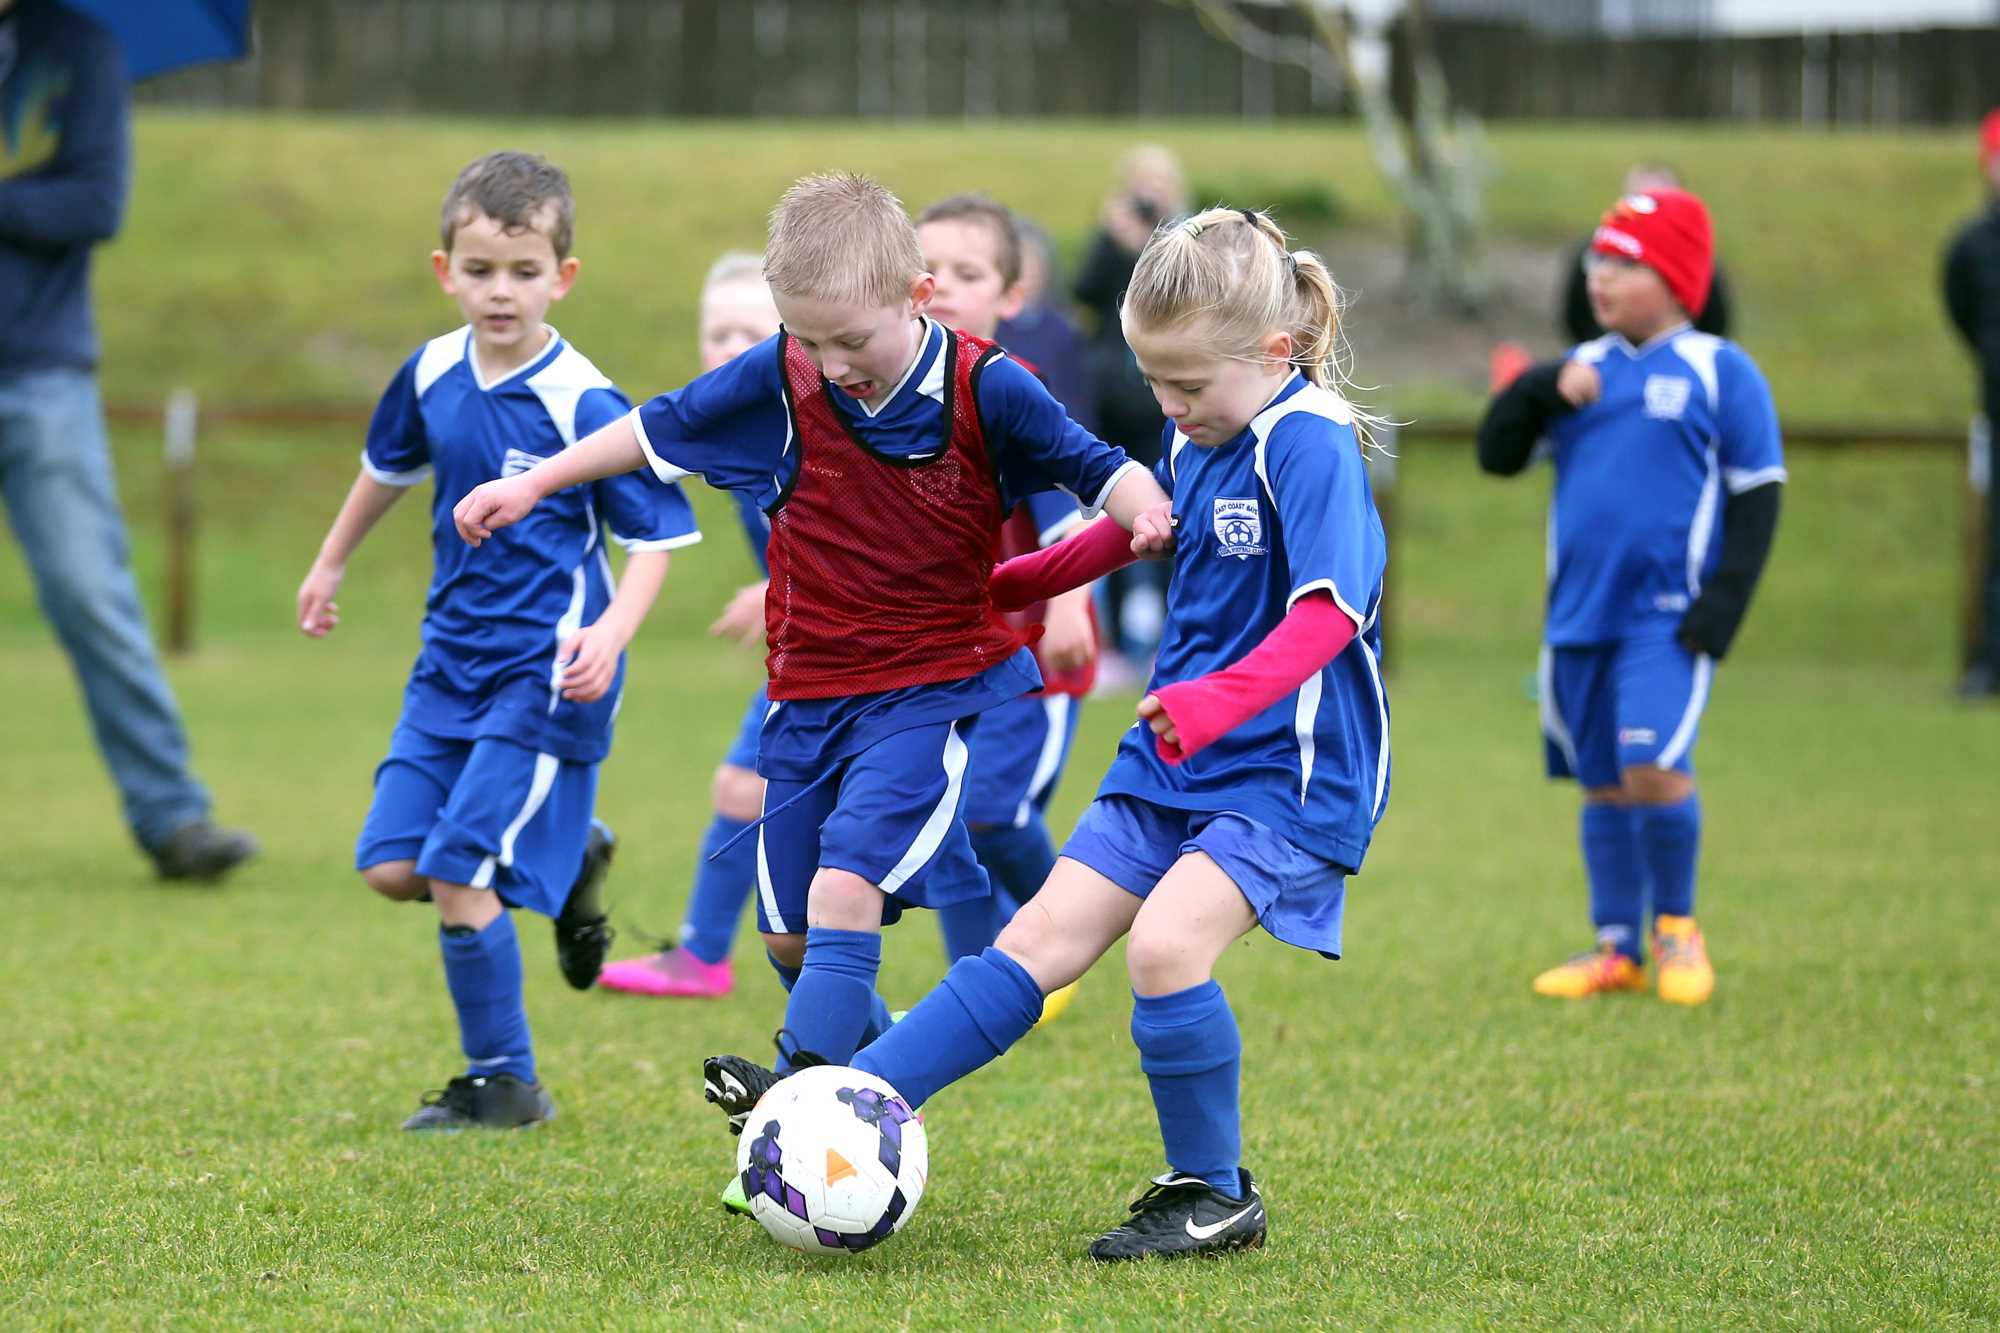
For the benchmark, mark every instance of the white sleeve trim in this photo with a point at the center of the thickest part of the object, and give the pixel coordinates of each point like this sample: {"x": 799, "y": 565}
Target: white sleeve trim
{"x": 634, "y": 546}
{"x": 1360, "y": 621}
{"x": 1739, "y": 480}
{"x": 1092, "y": 508}
{"x": 662, "y": 469}
{"x": 1061, "y": 528}
{"x": 388, "y": 478}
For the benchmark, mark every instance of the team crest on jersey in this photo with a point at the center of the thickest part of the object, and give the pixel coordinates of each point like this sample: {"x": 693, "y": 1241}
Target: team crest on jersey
{"x": 1239, "y": 527}
{"x": 1666, "y": 397}
{"x": 517, "y": 461}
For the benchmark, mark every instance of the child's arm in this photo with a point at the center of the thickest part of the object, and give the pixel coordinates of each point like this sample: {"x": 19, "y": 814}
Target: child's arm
{"x": 1749, "y": 522}
{"x": 591, "y": 654}
{"x": 743, "y": 618}
{"x": 1189, "y": 716}
{"x": 1097, "y": 550}
{"x": 1068, "y": 642}
{"x": 493, "y": 505}
{"x": 1519, "y": 414}
{"x": 367, "y": 500}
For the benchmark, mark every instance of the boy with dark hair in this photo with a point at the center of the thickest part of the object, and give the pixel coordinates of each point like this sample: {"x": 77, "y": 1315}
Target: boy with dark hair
{"x": 484, "y": 802}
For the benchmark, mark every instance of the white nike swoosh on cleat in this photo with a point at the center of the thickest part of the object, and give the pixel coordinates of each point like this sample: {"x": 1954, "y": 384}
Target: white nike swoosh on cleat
{"x": 1204, "y": 1233}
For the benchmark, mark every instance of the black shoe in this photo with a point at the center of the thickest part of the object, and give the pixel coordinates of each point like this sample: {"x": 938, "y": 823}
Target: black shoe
{"x": 1183, "y": 1215}
{"x": 583, "y": 930}
{"x": 498, "y": 1101}
{"x": 1980, "y": 681}
{"x": 737, "y": 1085}
{"x": 201, "y": 850}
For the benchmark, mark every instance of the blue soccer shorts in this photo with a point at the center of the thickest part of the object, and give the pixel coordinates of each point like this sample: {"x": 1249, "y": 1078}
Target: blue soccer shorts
{"x": 892, "y": 814}
{"x": 487, "y": 814}
{"x": 1298, "y": 896}
{"x": 743, "y": 754}
{"x": 1615, "y": 706}
{"x": 1018, "y": 759}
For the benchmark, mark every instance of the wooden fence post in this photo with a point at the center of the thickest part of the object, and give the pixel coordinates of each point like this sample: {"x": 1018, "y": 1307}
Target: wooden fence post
{"x": 180, "y": 509}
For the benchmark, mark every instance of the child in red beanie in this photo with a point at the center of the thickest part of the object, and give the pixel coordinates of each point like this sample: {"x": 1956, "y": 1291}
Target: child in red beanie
{"x": 1668, "y": 466}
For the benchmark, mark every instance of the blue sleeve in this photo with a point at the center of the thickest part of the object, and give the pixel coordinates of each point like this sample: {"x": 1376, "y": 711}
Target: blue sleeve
{"x": 642, "y": 513}
{"x": 729, "y": 427}
{"x": 79, "y": 198}
{"x": 1748, "y": 443}
{"x": 1036, "y": 446}
{"x": 1326, "y": 513}
{"x": 398, "y": 452}
{"x": 1055, "y": 514}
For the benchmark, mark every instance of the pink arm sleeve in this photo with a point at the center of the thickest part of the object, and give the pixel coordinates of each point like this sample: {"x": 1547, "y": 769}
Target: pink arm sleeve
{"x": 1071, "y": 563}
{"x": 1202, "y": 710}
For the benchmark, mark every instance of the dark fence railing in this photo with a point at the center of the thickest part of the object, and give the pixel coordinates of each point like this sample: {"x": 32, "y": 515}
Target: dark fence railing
{"x": 765, "y": 58}
{"x": 1509, "y": 71}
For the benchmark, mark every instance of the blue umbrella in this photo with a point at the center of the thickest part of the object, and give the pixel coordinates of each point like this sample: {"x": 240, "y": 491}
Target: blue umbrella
{"x": 162, "y": 35}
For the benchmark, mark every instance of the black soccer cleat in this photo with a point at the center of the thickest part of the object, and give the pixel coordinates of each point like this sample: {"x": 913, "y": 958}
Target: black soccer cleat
{"x": 583, "y": 929}
{"x": 201, "y": 850}
{"x": 497, "y": 1101}
{"x": 737, "y": 1085}
{"x": 1182, "y": 1215}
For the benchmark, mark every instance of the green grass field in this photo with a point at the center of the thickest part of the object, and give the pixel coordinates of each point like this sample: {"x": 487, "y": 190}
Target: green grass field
{"x": 198, "y": 1108}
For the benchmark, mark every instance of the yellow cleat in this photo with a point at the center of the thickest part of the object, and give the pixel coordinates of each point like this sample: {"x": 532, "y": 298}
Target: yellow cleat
{"x": 1054, "y": 1003}
{"x": 1601, "y": 970}
{"x": 1686, "y": 976}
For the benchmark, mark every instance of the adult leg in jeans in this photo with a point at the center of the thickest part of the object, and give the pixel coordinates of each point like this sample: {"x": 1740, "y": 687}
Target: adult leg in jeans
{"x": 55, "y": 471}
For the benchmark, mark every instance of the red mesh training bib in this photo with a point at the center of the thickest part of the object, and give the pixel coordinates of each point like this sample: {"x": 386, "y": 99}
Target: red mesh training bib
{"x": 879, "y": 564}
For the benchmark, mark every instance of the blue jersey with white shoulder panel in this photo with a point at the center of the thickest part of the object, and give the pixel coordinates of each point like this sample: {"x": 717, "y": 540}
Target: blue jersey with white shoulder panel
{"x": 732, "y": 428}
{"x": 1282, "y": 510}
{"x": 1635, "y": 520}
{"x": 496, "y": 617}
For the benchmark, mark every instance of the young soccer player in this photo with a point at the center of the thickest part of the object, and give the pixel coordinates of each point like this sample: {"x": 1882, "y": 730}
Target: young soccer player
{"x": 736, "y": 315}
{"x": 484, "y": 801}
{"x": 1251, "y": 785}
{"x": 886, "y": 450}
{"x": 973, "y": 250}
{"x": 1668, "y": 469}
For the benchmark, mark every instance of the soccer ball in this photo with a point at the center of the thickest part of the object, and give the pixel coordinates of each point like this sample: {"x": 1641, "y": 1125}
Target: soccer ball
{"x": 833, "y": 1160}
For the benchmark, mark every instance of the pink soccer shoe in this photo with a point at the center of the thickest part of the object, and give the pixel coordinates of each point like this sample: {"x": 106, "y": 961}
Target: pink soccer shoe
{"x": 671, "y": 973}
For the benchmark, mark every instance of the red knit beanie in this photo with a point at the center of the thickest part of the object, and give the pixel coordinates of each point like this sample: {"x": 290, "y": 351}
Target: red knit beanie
{"x": 1669, "y": 232}
{"x": 1989, "y": 138}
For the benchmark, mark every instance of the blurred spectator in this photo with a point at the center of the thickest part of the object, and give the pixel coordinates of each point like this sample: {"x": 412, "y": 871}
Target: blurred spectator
{"x": 1578, "y": 321}
{"x": 65, "y": 155}
{"x": 1972, "y": 296}
{"x": 1043, "y": 332}
{"x": 1150, "y": 189}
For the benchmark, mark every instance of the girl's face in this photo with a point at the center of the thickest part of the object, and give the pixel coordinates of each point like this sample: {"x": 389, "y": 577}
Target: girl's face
{"x": 1210, "y": 398}
{"x": 735, "y": 317}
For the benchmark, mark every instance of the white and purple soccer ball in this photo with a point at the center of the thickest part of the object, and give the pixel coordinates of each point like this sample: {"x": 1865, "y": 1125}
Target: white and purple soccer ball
{"x": 833, "y": 1160}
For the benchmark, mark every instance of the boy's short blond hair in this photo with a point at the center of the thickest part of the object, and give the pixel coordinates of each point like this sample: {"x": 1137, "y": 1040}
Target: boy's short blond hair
{"x": 842, "y": 238}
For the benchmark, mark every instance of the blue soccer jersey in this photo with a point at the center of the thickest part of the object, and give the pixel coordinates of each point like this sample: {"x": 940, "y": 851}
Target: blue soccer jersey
{"x": 1282, "y": 510}
{"x": 1635, "y": 521}
{"x": 495, "y": 618}
{"x": 732, "y": 427}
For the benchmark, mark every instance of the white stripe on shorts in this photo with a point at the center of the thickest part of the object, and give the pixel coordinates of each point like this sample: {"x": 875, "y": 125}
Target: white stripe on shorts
{"x": 1553, "y": 725}
{"x": 538, "y": 792}
{"x": 765, "y": 893}
{"x": 931, "y": 836}
{"x": 1704, "y": 669}
{"x": 1055, "y": 716}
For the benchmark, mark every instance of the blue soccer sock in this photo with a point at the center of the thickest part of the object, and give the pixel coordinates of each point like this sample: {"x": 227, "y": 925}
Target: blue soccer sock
{"x": 969, "y": 927}
{"x": 1670, "y": 840}
{"x": 1193, "y": 1055}
{"x": 722, "y": 880}
{"x": 834, "y": 999}
{"x": 1617, "y": 872}
{"x": 1017, "y": 860}
{"x": 985, "y": 1004}
{"x": 482, "y": 968}
{"x": 879, "y": 1021}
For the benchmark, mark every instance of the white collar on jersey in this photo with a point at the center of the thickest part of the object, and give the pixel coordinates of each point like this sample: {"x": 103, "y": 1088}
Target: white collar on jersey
{"x": 1640, "y": 349}
{"x": 923, "y": 347}
{"x": 479, "y": 376}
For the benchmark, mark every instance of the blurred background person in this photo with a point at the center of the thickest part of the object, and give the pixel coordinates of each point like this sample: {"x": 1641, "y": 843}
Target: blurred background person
{"x": 65, "y": 165}
{"x": 1149, "y": 189}
{"x": 1043, "y": 332}
{"x": 1972, "y": 298}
